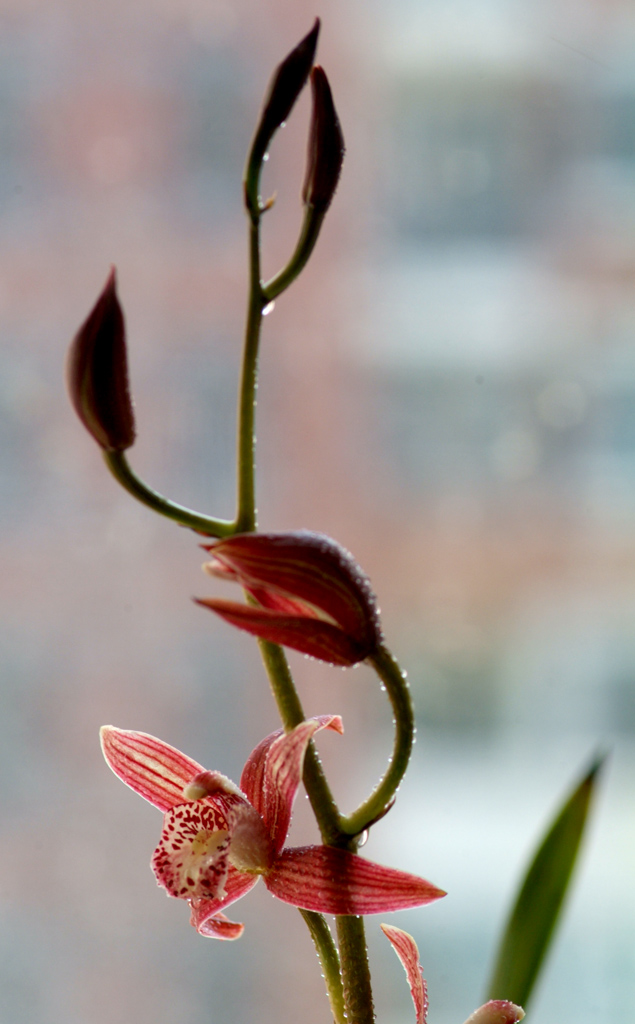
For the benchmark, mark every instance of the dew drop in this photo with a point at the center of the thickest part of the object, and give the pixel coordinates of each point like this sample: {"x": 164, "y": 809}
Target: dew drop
{"x": 265, "y": 158}
{"x": 268, "y": 308}
{"x": 363, "y": 839}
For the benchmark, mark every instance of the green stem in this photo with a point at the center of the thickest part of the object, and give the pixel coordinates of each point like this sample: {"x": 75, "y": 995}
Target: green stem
{"x": 355, "y": 1004}
{"x": 246, "y": 520}
{"x": 358, "y": 998}
{"x": 329, "y": 962}
{"x": 358, "y": 994}
{"x": 398, "y": 692}
{"x": 124, "y": 474}
{"x": 306, "y": 242}
{"x": 292, "y": 713}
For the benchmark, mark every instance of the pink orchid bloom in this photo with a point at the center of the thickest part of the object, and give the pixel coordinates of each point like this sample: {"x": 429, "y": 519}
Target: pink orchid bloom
{"x": 497, "y": 1011}
{"x": 218, "y": 839}
{"x": 311, "y": 593}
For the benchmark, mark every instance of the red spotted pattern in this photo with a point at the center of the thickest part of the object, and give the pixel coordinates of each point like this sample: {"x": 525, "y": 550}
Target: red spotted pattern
{"x": 191, "y": 858}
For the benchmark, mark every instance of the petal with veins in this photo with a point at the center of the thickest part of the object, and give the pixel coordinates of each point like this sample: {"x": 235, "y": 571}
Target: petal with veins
{"x": 152, "y": 768}
{"x": 406, "y": 949}
{"x": 307, "y": 566}
{"x": 334, "y": 881}
{"x": 219, "y": 927}
{"x": 273, "y": 771}
{"x": 310, "y": 636}
{"x": 237, "y": 885}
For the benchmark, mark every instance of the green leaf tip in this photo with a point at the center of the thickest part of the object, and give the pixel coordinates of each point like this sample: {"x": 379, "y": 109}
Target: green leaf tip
{"x": 536, "y": 910}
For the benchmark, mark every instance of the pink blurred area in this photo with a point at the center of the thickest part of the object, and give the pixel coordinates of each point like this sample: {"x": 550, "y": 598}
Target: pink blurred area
{"x": 449, "y": 390}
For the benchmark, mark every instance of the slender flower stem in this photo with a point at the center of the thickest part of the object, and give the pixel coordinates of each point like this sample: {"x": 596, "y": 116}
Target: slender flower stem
{"x": 358, "y": 994}
{"x": 398, "y": 692}
{"x": 292, "y": 713}
{"x": 125, "y": 475}
{"x": 329, "y": 962}
{"x": 306, "y": 242}
{"x": 351, "y": 999}
{"x": 246, "y": 518}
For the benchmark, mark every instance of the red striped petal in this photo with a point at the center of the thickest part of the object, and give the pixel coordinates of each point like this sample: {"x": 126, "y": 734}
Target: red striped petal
{"x": 310, "y": 636}
{"x": 406, "y": 949}
{"x": 273, "y": 771}
{"x": 220, "y": 927}
{"x": 269, "y": 598}
{"x": 311, "y": 567}
{"x": 252, "y": 779}
{"x": 237, "y": 885}
{"x": 335, "y": 881}
{"x": 154, "y": 769}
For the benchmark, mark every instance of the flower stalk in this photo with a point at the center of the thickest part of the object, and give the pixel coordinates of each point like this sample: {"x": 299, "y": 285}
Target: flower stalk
{"x": 303, "y": 591}
{"x": 329, "y": 962}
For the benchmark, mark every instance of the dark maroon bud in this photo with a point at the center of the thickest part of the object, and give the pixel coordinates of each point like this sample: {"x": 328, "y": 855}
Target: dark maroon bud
{"x": 326, "y": 146}
{"x": 287, "y": 83}
{"x": 311, "y": 594}
{"x": 97, "y": 373}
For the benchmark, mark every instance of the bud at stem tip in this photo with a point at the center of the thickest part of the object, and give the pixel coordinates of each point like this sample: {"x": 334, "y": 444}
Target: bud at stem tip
{"x": 97, "y": 373}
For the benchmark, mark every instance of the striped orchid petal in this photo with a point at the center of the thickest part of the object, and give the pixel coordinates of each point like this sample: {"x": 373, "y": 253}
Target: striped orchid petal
{"x": 406, "y": 949}
{"x": 304, "y": 633}
{"x": 219, "y": 927}
{"x": 497, "y": 1011}
{"x": 154, "y": 769}
{"x": 334, "y": 881}
{"x": 206, "y": 913}
{"x": 273, "y": 771}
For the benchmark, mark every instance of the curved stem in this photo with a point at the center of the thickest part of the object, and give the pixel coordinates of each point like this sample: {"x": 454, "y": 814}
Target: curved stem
{"x": 329, "y": 962}
{"x": 398, "y": 692}
{"x": 306, "y": 242}
{"x": 125, "y": 475}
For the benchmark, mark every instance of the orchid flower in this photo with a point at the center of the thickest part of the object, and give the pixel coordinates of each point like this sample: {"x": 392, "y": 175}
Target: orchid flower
{"x": 311, "y": 593}
{"x": 497, "y": 1011}
{"x": 218, "y": 839}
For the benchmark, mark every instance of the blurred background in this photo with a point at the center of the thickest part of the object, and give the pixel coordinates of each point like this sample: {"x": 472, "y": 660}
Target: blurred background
{"x": 449, "y": 390}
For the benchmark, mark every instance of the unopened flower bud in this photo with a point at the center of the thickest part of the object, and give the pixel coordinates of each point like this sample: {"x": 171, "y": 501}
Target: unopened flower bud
{"x": 287, "y": 83}
{"x": 326, "y": 146}
{"x": 312, "y": 594}
{"x": 97, "y": 373}
{"x": 497, "y": 1011}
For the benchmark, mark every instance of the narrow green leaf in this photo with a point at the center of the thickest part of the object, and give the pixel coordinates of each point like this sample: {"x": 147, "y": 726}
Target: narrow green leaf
{"x": 535, "y": 913}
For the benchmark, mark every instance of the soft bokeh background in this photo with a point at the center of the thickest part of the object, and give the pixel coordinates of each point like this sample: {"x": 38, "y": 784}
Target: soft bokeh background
{"x": 449, "y": 390}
